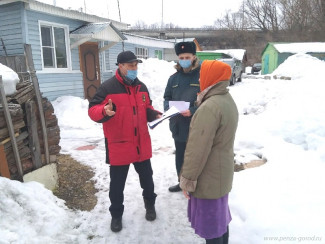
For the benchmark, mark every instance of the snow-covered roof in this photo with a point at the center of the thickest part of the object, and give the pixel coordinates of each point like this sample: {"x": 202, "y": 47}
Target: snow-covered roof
{"x": 235, "y": 53}
{"x": 300, "y": 47}
{"x": 148, "y": 41}
{"x": 189, "y": 39}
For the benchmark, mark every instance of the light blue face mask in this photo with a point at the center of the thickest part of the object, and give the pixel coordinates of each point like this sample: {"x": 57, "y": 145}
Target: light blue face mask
{"x": 132, "y": 74}
{"x": 185, "y": 63}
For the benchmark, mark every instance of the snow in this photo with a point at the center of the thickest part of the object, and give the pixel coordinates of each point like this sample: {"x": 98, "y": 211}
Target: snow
{"x": 280, "y": 201}
{"x": 9, "y": 79}
{"x": 235, "y": 53}
{"x": 301, "y": 47}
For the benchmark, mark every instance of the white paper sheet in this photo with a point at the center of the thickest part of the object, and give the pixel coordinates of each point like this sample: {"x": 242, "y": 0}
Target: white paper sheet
{"x": 180, "y": 105}
{"x": 172, "y": 111}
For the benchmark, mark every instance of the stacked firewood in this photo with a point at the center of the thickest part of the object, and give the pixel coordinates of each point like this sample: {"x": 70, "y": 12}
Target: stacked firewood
{"x": 17, "y": 104}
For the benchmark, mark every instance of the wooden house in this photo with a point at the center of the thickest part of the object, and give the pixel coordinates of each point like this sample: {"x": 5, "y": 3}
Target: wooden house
{"x": 275, "y": 54}
{"x": 73, "y": 52}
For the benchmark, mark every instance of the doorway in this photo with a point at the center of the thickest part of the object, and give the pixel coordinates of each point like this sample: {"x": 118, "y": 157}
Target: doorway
{"x": 90, "y": 68}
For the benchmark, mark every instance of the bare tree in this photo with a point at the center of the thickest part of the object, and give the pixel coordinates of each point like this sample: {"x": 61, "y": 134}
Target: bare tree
{"x": 262, "y": 14}
{"x": 140, "y": 25}
{"x": 231, "y": 21}
{"x": 298, "y": 15}
{"x": 319, "y": 15}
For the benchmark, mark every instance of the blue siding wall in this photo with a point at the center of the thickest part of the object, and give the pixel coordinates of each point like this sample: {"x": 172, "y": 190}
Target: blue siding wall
{"x": 53, "y": 86}
{"x": 116, "y": 49}
{"x": 56, "y": 84}
{"x": 11, "y": 29}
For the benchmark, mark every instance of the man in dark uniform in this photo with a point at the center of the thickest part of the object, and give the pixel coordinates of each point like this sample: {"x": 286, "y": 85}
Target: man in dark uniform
{"x": 182, "y": 86}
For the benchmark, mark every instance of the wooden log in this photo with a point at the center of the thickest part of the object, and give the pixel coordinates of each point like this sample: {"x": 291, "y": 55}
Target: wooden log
{"x": 54, "y": 140}
{"x": 34, "y": 144}
{"x": 24, "y": 94}
{"x": 14, "y": 109}
{"x": 4, "y": 132}
{"x": 24, "y": 152}
{"x": 52, "y": 121}
{"x": 3, "y": 122}
{"x": 27, "y": 165}
{"x": 23, "y": 84}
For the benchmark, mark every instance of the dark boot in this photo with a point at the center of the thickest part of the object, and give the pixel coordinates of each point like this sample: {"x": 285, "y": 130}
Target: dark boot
{"x": 116, "y": 224}
{"x": 150, "y": 210}
{"x": 175, "y": 188}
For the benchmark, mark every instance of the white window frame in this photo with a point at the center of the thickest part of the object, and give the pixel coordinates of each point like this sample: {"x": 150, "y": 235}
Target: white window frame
{"x": 142, "y": 52}
{"x": 103, "y": 57}
{"x": 67, "y": 46}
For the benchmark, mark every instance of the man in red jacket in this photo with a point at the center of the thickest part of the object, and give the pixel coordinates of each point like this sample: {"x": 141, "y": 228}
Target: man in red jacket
{"x": 122, "y": 104}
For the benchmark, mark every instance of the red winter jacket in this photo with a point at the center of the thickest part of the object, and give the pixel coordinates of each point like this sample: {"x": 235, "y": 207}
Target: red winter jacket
{"x": 126, "y": 133}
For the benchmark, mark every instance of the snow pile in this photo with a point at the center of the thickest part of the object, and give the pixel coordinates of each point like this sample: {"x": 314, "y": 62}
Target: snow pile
{"x": 31, "y": 213}
{"x": 303, "y": 65}
{"x": 9, "y": 79}
{"x": 155, "y": 74}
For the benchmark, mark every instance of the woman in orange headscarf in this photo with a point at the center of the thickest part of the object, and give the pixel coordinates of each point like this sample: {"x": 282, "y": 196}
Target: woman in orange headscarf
{"x": 207, "y": 173}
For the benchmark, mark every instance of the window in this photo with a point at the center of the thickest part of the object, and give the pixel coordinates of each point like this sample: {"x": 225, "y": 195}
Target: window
{"x": 141, "y": 52}
{"x": 54, "y": 46}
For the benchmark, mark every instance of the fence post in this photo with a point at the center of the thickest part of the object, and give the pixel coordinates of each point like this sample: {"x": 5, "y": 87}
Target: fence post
{"x": 30, "y": 64}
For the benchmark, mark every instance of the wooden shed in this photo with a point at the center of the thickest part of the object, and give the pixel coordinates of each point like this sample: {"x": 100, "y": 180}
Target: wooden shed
{"x": 275, "y": 54}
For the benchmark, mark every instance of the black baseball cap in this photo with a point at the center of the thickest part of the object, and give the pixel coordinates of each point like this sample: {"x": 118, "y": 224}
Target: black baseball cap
{"x": 127, "y": 57}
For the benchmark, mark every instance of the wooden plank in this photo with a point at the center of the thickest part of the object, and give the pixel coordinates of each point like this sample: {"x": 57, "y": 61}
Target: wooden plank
{"x": 7, "y": 139}
{"x": 30, "y": 64}
{"x": 4, "y": 170}
{"x": 4, "y": 132}
{"x": 11, "y": 129}
{"x": 32, "y": 134}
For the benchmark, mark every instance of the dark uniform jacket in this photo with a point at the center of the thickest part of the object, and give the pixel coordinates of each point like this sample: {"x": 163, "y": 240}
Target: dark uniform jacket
{"x": 182, "y": 87}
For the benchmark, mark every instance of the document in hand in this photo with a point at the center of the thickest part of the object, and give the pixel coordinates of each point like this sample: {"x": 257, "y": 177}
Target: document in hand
{"x": 180, "y": 105}
{"x": 168, "y": 114}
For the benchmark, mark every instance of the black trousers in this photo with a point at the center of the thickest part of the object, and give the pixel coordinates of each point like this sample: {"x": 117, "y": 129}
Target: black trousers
{"x": 179, "y": 155}
{"x": 118, "y": 175}
{"x": 220, "y": 240}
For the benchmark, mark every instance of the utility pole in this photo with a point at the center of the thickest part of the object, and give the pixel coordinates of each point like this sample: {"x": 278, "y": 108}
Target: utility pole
{"x": 162, "y": 14}
{"x": 119, "y": 11}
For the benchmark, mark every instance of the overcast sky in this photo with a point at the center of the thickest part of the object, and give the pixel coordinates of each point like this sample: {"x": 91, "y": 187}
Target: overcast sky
{"x": 183, "y": 13}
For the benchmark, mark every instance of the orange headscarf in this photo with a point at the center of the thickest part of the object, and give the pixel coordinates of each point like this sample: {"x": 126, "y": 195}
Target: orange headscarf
{"x": 212, "y": 72}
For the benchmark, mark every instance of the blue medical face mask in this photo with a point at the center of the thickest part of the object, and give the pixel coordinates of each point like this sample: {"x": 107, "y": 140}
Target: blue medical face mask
{"x": 132, "y": 74}
{"x": 185, "y": 63}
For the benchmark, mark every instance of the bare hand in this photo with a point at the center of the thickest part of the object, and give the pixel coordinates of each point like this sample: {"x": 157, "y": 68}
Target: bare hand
{"x": 109, "y": 108}
{"x": 158, "y": 116}
{"x": 186, "y": 113}
{"x": 187, "y": 196}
